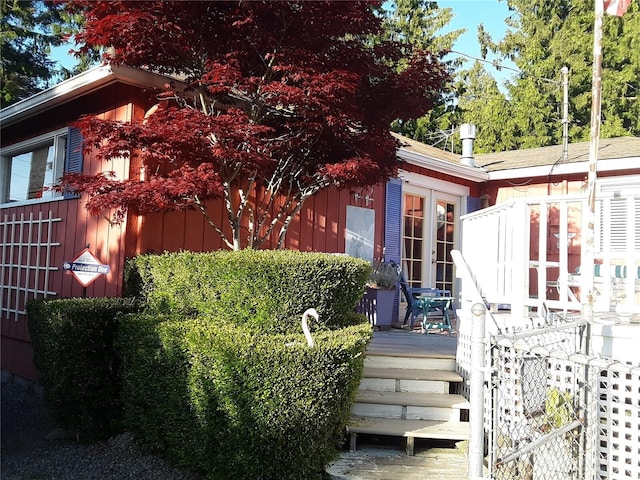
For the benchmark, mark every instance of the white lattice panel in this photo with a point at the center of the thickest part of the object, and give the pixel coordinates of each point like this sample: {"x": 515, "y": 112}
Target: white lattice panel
{"x": 619, "y": 417}
{"x": 26, "y": 256}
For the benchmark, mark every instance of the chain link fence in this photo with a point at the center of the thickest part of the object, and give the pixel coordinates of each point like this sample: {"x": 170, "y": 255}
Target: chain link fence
{"x": 555, "y": 412}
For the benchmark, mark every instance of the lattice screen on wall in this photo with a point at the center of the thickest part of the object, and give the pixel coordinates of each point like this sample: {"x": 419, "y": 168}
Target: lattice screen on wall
{"x": 25, "y": 260}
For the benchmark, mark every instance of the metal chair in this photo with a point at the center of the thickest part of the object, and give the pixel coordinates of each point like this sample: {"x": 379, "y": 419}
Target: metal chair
{"x": 414, "y": 306}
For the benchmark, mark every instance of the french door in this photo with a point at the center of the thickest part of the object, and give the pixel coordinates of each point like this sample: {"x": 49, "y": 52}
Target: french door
{"x": 429, "y": 233}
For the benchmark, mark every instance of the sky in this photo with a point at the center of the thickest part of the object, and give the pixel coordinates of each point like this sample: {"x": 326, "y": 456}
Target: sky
{"x": 468, "y": 14}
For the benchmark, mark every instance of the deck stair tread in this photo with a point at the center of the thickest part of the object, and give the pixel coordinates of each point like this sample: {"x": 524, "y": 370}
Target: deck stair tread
{"x": 410, "y": 428}
{"x": 394, "y": 352}
{"x": 437, "y": 400}
{"x": 412, "y": 345}
{"x": 405, "y": 390}
{"x": 412, "y": 374}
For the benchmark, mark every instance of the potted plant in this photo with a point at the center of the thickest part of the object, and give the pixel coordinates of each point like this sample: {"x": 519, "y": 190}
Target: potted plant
{"x": 384, "y": 275}
{"x": 380, "y": 293}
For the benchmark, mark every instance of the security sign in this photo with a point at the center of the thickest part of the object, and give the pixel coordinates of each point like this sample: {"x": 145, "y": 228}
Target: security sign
{"x": 86, "y": 268}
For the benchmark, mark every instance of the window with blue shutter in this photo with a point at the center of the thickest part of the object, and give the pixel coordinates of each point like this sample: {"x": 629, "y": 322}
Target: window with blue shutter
{"x": 473, "y": 204}
{"x": 73, "y": 160}
{"x": 393, "y": 230}
{"x": 30, "y": 168}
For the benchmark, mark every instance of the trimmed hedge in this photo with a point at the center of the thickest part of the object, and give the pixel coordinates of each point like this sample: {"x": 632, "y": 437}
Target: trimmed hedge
{"x": 73, "y": 345}
{"x": 265, "y": 290}
{"x": 208, "y": 365}
{"x": 233, "y": 403}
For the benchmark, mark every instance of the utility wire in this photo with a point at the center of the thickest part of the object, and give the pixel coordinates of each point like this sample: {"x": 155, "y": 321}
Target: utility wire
{"x": 496, "y": 64}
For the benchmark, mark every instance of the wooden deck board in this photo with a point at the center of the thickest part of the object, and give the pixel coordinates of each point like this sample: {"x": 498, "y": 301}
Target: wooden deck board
{"x": 436, "y": 400}
{"x": 412, "y": 374}
{"x": 386, "y": 463}
{"x": 410, "y": 428}
{"x": 411, "y": 344}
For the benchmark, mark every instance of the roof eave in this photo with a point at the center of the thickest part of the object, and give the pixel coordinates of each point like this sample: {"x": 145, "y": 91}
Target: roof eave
{"x": 79, "y": 85}
{"x": 456, "y": 170}
{"x": 608, "y": 165}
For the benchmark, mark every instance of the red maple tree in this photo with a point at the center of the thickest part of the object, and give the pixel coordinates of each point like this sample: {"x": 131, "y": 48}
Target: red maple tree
{"x": 282, "y": 99}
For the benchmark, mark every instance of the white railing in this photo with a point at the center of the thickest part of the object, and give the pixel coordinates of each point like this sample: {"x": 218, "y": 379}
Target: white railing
{"x": 527, "y": 253}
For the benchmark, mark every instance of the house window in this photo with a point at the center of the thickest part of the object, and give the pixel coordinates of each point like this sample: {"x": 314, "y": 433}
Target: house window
{"x": 30, "y": 168}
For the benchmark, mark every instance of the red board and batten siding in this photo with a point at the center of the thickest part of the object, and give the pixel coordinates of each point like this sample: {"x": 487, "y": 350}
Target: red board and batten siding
{"x": 72, "y": 233}
{"x": 69, "y": 236}
{"x": 319, "y": 227}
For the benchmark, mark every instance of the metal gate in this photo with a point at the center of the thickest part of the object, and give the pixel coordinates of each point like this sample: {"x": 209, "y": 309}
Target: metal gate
{"x": 557, "y": 412}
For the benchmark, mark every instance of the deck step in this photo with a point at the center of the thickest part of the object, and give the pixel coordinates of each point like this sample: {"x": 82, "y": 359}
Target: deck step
{"x": 413, "y": 380}
{"x": 409, "y": 429}
{"x": 412, "y": 363}
{"x": 406, "y": 390}
{"x": 409, "y": 405}
{"x": 416, "y": 399}
{"x": 412, "y": 374}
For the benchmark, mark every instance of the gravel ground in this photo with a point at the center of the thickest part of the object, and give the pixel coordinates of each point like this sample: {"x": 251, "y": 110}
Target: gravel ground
{"x": 27, "y": 453}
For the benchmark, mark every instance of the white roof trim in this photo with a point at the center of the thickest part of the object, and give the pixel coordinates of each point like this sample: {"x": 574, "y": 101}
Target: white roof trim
{"x": 615, "y": 164}
{"x": 456, "y": 170}
{"x": 423, "y": 181}
{"x": 71, "y": 88}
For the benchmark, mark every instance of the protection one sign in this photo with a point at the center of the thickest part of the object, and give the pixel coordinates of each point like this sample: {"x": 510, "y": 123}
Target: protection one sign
{"x": 86, "y": 268}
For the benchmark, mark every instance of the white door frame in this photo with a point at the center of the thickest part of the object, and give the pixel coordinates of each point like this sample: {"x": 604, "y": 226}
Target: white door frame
{"x": 433, "y": 189}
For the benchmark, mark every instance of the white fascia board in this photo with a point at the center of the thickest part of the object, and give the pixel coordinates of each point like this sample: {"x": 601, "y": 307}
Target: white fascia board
{"x": 615, "y": 164}
{"x": 460, "y": 171}
{"x": 74, "y": 87}
{"x": 422, "y": 181}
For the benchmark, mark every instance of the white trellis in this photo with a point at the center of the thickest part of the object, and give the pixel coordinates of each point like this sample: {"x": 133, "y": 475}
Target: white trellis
{"x": 26, "y": 256}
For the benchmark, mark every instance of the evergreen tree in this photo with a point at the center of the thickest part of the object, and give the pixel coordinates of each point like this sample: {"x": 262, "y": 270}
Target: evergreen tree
{"x": 417, "y": 23}
{"x": 541, "y": 39}
{"x": 28, "y": 31}
{"x": 485, "y": 105}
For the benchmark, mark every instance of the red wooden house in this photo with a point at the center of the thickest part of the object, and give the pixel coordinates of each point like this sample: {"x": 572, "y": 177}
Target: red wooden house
{"x": 414, "y": 218}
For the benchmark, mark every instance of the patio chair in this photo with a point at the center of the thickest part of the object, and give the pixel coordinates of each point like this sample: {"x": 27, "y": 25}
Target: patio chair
{"x": 613, "y": 278}
{"x": 414, "y": 307}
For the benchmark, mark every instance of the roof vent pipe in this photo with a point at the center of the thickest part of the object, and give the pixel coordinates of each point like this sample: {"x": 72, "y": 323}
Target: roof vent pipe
{"x": 467, "y": 135}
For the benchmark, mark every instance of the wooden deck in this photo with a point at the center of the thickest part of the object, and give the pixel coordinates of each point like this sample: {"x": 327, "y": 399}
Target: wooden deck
{"x": 402, "y": 343}
{"x": 403, "y": 353}
{"x": 381, "y": 463}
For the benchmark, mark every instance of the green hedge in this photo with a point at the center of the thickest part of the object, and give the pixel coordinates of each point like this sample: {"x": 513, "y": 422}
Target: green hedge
{"x": 213, "y": 370}
{"x": 73, "y": 345}
{"x": 264, "y": 290}
{"x": 236, "y": 404}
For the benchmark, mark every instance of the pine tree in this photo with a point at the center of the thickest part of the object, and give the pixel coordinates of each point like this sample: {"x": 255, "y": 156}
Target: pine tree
{"x": 418, "y": 23}
{"x": 542, "y": 38}
{"x": 28, "y": 30}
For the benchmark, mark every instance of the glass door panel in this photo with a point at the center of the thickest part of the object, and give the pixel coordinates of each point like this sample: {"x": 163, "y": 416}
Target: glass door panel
{"x": 413, "y": 238}
{"x": 445, "y": 226}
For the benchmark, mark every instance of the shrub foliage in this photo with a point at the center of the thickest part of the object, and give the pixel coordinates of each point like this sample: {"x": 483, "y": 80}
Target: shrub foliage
{"x": 207, "y": 362}
{"x": 234, "y": 403}
{"x": 266, "y": 290}
{"x": 73, "y": 344}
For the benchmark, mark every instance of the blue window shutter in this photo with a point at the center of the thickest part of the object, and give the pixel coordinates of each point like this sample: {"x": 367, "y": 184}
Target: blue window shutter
{"x": 73, "y": 160}
{"x": 473, "y": 204}
{"x": 393, "y": 220}
{"x": 392, "y": 231}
